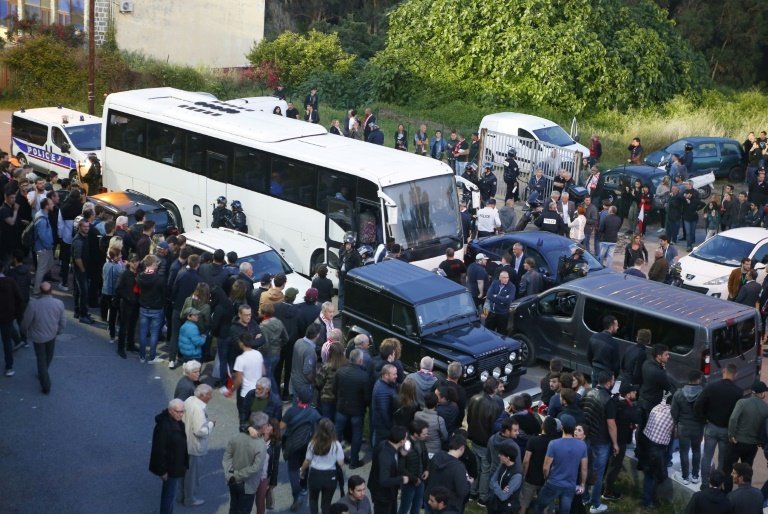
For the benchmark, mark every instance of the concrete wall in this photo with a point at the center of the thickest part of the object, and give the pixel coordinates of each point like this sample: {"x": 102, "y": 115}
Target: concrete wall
{"x": 210, "y": 33}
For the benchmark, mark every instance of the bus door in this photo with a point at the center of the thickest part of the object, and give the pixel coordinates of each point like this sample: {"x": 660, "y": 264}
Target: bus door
{"x": 339, "y": 219}
{"x": 215, "y": 186}
{"x": 370, "y": 230}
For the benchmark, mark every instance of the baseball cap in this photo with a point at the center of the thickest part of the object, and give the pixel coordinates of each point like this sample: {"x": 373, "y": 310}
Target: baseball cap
{"x": 163, "y": 245}
{"x": 627, "y": 388}
{"x": 290, "y": 294}
{"x": 311, "y": 295}
{"x": 568, "y": 422}
{"x": 480, "y": 257}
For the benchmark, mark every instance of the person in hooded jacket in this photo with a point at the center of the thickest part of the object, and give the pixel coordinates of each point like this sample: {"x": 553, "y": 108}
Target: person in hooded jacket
{"x": 712, "y": 499}
{"x": 505, "y": 483}
{"x": 690, "y": 427}
{"x": 169, "y": 459}
{"x": 446, "y": 469}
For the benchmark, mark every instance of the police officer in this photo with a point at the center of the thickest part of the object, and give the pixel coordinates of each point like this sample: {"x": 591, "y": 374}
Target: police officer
{"x": 487, "y": 183}
{"x": 470, "y": 173}
{"x": 550, "y": 220}
{"x": 221, "y": 215}
{"x": 238, "y": 221}
{"x": 511, "y": 172}
{"x": 349, "y": 259}
{"x": 687, "y": 159}
{"x": 93, "y": 177}
{"x": 575, "y": 266}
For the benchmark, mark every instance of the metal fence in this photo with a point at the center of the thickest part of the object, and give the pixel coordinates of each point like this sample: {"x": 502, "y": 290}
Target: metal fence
{"x": 531, "y": 154}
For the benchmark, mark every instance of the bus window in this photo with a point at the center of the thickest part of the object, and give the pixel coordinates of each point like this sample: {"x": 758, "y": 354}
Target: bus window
{"x": 164, "y": 143}
{"x": 251, "y": 169}
{"x": 295, "y": 182}
{"x": 333, "y": 184}
{"x": 195, "y": 152}
{"x": 126, "y": 132}
{"x": 217, "y": 166}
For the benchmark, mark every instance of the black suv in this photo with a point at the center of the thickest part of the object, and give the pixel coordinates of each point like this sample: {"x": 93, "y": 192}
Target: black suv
{"x": 129, "y": 201}
{"x": 431, "y": 316}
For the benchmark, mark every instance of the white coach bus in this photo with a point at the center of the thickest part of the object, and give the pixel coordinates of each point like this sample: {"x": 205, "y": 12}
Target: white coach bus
{"x": 301, "y": 187}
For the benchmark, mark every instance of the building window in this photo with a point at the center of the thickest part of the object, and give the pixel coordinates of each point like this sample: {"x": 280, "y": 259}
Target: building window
{"x": 71, "y": 12}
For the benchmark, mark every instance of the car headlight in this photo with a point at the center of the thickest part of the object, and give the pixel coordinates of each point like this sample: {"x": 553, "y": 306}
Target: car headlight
{"x": 496, "y": 372}
{"x": 509, "y": 368}
{"x": 484, "y": 376}
{"x": 470, "y": 369}
{"x": 718, "y": 281}
{"x": 512, "y": 357}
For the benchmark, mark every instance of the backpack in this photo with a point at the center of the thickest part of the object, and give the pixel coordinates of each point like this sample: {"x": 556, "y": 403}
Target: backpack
{"x": 29, "y": 235}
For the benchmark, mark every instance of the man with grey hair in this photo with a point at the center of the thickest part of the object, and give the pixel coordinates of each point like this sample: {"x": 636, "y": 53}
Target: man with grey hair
{"x": 43, "y": 320}
{"x": 243, "y": 463}
{"x": 352, "y": 389}
{"x": 325, "y": 323}
{"x": 186, "y": 385}
{"x": 423, "y": 379}
{"x": 334, "y": 336}
{"x": 169, "y": 459}
{"x": 363, "y": 343}
{"x": 198, "y": 428}
{"x": 453, "y": 375}
{"x": 267, "y": 401}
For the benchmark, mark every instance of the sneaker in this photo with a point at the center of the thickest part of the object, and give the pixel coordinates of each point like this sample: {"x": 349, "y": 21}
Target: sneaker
{"x": 63, "y": 288}
{"x": 194, "y": 503}
{"x": 112, "y": 340}
{"x": 611, "y": 496}
{"x": 481, "y": 503}
{"x": 172, "y": 365}
{"x": 156, "y": 360}
{"x": 18, "y": 345}
{"x": 595, "y": 510}
{"x": 142, "y": 360}
{"x": 683, "y": 480}
{"x": 87, "y": 320}
{"x": 9, "y": 372}
{"x": 695, "y": 479}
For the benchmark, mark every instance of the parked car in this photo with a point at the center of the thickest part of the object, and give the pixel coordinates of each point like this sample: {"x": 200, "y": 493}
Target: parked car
{"x": 262, "y": 257}
{"x": 701, "y": 333}
{"x": 130, "y": 201}
{"x": 725, "y": 155}
{"x": 431, "y": 316}
{"x": 546, "y": 248}
{"x": 707, "y": 268}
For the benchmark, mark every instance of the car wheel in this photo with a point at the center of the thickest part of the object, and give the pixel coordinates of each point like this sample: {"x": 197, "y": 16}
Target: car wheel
{"x": 512, "y": 384}
{"x": 704, "y": 192}
{"x": 174, "y": 215}
{"x": 527, "y": 351}
{"x": 736, "y": 174}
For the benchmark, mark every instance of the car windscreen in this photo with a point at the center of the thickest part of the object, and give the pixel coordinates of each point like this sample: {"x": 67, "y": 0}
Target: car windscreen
{"x": 554, "y": 255}
{"x": 445, "y": 309}
{"x": 86, "y": 138}
{"x": 554, "y": 135}
{"x": 723, "y": 250}
{"x": 734, "y": 339}
{"x": 266, "y": 262}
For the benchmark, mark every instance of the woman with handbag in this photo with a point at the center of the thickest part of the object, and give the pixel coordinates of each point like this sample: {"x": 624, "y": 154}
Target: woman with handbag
{"x": 324, "y": 453}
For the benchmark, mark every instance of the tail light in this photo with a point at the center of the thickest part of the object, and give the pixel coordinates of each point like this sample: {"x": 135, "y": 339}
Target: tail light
{"x": 705, "y": 365}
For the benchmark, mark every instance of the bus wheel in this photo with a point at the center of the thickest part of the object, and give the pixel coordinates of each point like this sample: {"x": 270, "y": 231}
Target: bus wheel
{"x": 22, "y": 159}
{"x": 174, "y": 215}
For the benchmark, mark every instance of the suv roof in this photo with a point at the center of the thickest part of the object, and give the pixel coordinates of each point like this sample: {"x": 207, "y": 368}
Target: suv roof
{"x": 411, "y": 283}
{"x": 129, "y": 201}
{"x": 659, "y": 298}
{"x": 229, "y": 240}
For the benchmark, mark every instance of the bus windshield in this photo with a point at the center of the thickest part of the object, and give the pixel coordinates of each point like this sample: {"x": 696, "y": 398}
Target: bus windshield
{"x": 428, "y": 211}
{"x": 86, "y": 138}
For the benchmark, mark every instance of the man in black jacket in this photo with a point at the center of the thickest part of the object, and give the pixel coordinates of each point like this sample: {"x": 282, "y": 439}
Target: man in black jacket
{"x": 447, "y": 470}
{"x": 715, "y": 404}
{"x": 633, "y": 359}
{"x": 183, "y": 287}
{"x": 151, "y": 282}
{"x": 169, "y": 458}
{"x": 385, "y": 478}
{"x": 603, "y": 350}
{"x": 550, "y": 220}
{"x": 712, "y": 498}
{"x": 608, "y": 233}
{"x": 482, "y": 411}
{"x": 352, "y": 389}
{"x": 600, "y": 416}
{"x": 655, "y": 380}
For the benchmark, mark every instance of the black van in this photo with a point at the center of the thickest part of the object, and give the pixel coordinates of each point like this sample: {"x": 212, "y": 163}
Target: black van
{"x": 701, "y": 332}
{"x": 431, "y": 316}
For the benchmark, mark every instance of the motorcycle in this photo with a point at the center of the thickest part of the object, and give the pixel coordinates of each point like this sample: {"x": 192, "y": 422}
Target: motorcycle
{"x": 531, "y": 211}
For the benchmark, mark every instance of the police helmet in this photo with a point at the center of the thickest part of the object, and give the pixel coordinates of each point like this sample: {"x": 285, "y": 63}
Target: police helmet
{"x": 581, "y": 269}
{"x": 471, "y": 166}
{"x": 222, "y": 200}
{"x": 688, "y": 147}
{"x": 349, "y": 237}
{"x": 512, "y": 153}
{"x": 488, "y": 165}
{"x": 365, "y": 251}
{"x": 236, "y": 204}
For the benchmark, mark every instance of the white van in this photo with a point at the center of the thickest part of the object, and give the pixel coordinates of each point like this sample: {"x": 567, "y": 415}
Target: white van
{"x": 55, "y": 139}
{"x": 526, "y": 126}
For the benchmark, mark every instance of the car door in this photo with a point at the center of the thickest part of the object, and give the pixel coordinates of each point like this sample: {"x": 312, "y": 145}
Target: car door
{"x": 730, "y": 156}
{"x": 612, "y": 186}
{"x": 555, "y": 326}
{"x": 705, "y": 156}
{"x": 760, "y": 259}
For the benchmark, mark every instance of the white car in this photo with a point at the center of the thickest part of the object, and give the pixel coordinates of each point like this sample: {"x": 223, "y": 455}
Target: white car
{"x": 708, "y": 267}
{"x": 262, "y": 257}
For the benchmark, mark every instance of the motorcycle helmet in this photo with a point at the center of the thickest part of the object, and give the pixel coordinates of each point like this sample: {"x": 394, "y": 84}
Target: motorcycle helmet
{"x": 365, "y": 251}
{"x": 237, "y": 205}
{"x": 222, "y": 200}
{"x": 349, "y": 237}
{"x": 688, "y": 147}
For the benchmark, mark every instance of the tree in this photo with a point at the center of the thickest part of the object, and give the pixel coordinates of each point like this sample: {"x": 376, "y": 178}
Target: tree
{"x": 294, "y": 56}
{"x": 573, "y": 54}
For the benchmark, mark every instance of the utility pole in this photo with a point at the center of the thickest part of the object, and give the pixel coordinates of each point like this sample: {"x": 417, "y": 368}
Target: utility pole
{"x": 91, "y": 55}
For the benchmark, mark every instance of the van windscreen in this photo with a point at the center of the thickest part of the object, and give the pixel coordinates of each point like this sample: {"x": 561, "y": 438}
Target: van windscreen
{"x": 554, "y": 135}
{"x": 86, "y": 138}
{"x": 733, "y": 340}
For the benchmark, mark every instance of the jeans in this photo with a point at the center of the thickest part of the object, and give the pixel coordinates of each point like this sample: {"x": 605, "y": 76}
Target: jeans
{"x": 606, "y": 254}
{"x": 6, "y": 329}
{"x": 327, "y": 409}
{"x": 690, "y": 442}
{"x": 549, "y": 493}
{"x": 167, "y": 495}
{"x": 109, "y": 306}
{"x": 600, "y": 454}
{"x": 737, "y": 452}
{"x": 588, "y": 246}
{"x": 270, "y": 363}
{"x": 690, "y": 231}
{"x": 126, "y": 334}
{"x": 713, "y": 436}
{"x": 150, "y": 323}
{"x": 173, "y": 340}
{"x": 673, "y": 230}
{"x": 480, "y": 486}
{"x": 655, "y": 472}
{"x": 44, "y": 354}
{"x": 239, "y": 501}
{"x": 44, "y": 265}
{"x": 460, "y": 165}
{"x": 65, "y": 256}
{"x": 293, "y": 463}
{"x": 80, "y": 293}
{"x": 222, "y": 351}
{"x": 357, "y": 434}
{"x": 411, "y": 498}
{"x": 283, "y": 371}
{"x": 615, "y": 465}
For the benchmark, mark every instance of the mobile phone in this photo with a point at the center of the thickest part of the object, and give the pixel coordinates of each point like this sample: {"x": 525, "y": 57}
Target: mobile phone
{"x": 407, "y": 445}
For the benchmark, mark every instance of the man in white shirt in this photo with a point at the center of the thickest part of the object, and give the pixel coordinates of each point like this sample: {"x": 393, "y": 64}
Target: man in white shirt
{"x": 488, "y": 220}
{"x": 198, "y": 427}
{"x": 249, "y": 368}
